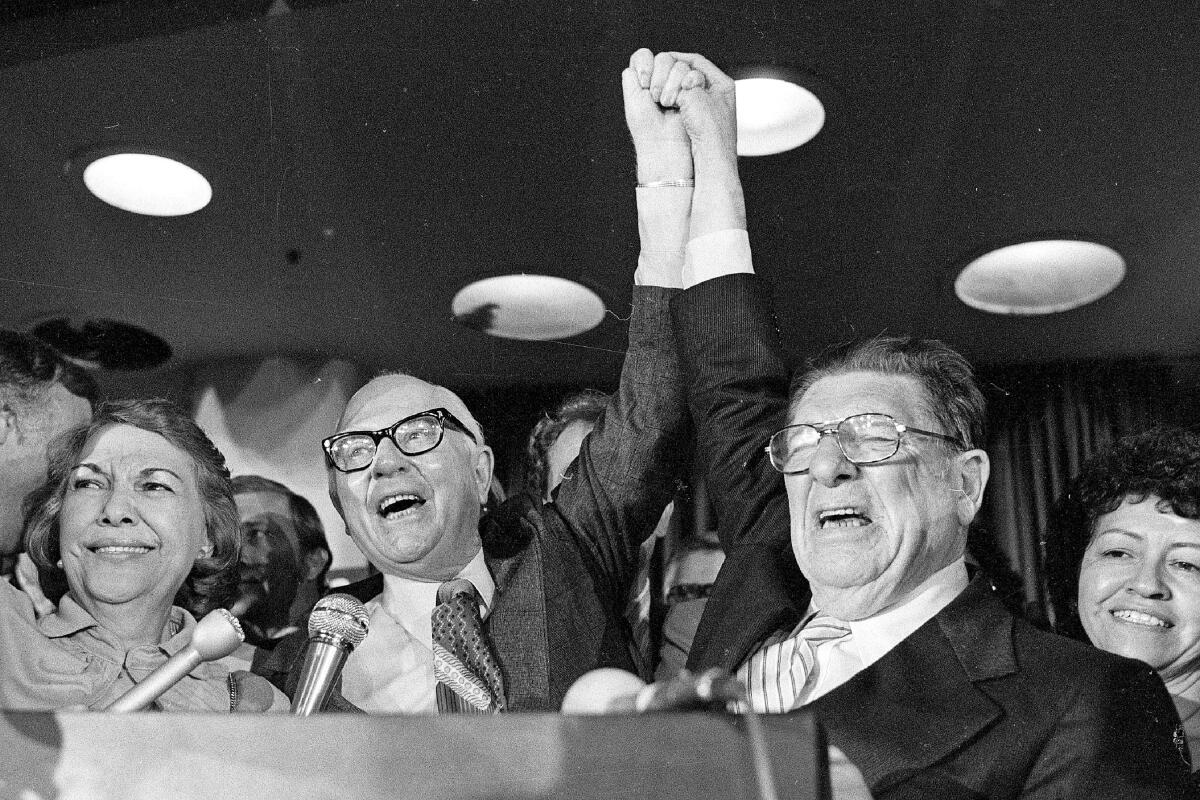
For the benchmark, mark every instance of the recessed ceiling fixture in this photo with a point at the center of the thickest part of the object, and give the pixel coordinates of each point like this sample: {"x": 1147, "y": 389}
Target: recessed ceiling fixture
{"x": 104, "y": 343}
{"x": 533, "y": 307}
{"x": 145, "y": 183}
{"x": 1041, "y": 277}
{"x": 775, "y": 114}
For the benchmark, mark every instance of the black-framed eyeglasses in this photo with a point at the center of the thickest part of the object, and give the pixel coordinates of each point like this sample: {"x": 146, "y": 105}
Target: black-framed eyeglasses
{"x": 863, "y": 439}
{"x": 354, "y": 450}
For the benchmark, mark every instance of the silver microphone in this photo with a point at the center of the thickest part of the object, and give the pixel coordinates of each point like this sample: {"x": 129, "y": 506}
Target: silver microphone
{"x": 215, "y": 636}
{"x": 337, "y": 625}
{"x": 606, "y": 690}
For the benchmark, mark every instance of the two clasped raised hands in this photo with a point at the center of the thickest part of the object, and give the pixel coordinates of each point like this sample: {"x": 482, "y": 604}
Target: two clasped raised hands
{"x": 673, "y": 97}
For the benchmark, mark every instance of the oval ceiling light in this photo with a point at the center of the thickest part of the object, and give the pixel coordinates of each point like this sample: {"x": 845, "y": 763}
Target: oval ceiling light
{"x": 1041, "y": 277}
{"x": 145, "y": 183}
{"x": 774, "y": 115}
{"x": 104, "y": 343}
{"x": 532, "y": 307}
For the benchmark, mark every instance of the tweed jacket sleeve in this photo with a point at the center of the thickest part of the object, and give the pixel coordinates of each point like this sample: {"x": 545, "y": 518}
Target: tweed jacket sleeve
{"x": 627, "y": 470}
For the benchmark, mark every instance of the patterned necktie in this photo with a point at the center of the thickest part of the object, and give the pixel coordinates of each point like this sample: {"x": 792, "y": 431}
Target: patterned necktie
{"x": 464, "y": 666}
{"x": 780, "y": 671}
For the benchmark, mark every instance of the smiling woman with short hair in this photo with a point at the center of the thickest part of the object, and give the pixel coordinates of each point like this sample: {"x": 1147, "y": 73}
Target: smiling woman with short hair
{"x": 1127, "y": 563}
{"x": 137, "y": 512}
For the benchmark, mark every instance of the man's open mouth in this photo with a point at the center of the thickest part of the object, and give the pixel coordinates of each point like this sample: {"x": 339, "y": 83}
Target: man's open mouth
{"x": 398, "y": 505}
{"x": 843, "y": 518}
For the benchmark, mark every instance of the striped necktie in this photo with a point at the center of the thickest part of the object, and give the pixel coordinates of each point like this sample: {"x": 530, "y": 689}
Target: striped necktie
{"x": 778, "y": 673}
{"x": 464, "y": 666}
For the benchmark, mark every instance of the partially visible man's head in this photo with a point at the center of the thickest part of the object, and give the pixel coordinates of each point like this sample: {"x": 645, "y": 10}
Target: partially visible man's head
{"x": 284, "y": 554}
{"x": 867, "y": 534}
{"x": 556, "y": 439}
{"x": 41, "y": 395}
{"x": 413, "y": 516}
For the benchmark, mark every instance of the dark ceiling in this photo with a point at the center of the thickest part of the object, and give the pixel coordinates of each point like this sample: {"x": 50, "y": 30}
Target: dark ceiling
{"x": 369, "y": 158}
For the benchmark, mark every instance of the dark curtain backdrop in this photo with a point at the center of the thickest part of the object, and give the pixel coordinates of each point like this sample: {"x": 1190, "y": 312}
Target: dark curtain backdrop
{"x": 1044, "y": 422}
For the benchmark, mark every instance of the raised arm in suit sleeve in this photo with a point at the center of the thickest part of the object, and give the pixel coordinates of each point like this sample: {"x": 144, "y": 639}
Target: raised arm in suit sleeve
{"x": 737, "y": 391}
{"x": 730, "y": 352}
{"x": 629, "y": 465}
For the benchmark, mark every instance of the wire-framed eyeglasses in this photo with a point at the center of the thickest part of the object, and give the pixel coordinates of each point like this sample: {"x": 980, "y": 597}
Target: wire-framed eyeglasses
{"x": 354, "y": 450}
{"x": 863, "y": 439}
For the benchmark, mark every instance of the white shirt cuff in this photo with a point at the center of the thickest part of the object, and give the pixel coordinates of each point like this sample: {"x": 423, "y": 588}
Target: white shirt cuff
{"x": 716, "y": 254}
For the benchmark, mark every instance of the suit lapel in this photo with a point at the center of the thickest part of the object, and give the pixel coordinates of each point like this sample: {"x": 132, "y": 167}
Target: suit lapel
{"x": 516, "y": 623}
{"x": 919, "y": 704}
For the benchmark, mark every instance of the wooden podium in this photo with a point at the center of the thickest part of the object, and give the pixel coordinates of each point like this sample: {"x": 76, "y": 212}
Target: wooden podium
{"x": 150, "y": 756}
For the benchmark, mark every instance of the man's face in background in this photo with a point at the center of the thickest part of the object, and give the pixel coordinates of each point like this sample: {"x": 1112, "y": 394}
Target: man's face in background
{"x": 271, "y": 559}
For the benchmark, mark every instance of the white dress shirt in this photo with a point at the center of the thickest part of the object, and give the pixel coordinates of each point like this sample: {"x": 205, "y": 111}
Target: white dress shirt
{"x": 391, "y": 672}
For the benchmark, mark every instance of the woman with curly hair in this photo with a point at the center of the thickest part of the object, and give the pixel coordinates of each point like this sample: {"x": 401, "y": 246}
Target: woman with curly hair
{"x": 1128, "y": 530}
{"x": 555, "y": 441}
{"x": 137, "y": 513}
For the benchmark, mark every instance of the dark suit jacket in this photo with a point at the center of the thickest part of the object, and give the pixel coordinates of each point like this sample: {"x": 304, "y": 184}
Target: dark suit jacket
{"x": 563, "y": 569}
{"x": 975, "y": 703}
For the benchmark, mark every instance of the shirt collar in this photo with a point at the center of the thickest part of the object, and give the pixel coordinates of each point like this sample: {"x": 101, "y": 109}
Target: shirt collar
{"x": 874, "y": 636}
{"x": 411, "y": 603}
{"x": 68, "y": 619}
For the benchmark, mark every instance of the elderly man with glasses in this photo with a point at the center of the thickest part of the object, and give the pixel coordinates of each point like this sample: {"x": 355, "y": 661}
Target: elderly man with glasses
{"x": 507, "y": 617}
{"x": 844, "y": 511}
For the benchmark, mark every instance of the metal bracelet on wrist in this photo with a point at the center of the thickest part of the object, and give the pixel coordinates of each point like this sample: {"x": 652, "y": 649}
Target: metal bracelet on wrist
{"x": 681, "y": 182}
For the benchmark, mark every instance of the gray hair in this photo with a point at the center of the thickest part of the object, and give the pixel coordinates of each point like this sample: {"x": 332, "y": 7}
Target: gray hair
{"x": 954, "y": 397}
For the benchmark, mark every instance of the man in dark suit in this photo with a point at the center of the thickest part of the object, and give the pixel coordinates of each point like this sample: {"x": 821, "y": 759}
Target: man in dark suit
{"x": 409, "y": 470}
{"x": 845, "y": 589}
{"x": 284, "y": 558}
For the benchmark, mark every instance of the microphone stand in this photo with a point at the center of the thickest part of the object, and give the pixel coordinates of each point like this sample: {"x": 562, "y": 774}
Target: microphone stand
{"x": 716, "y": 684}
{"x": 760, "y": 757}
